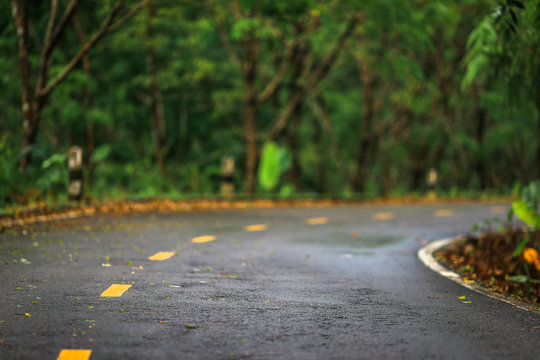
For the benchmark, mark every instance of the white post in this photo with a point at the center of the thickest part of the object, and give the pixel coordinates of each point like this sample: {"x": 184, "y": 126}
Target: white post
{"x": 75, "y": 189}
{"x": 227, "y": 172}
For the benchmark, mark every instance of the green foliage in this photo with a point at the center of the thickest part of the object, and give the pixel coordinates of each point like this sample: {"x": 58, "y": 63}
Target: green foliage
{"x": 481, "y": 46}
{"x": 408, "y": 64}
{"x": 521, "y": 246}
{"x": 527, "y": 209}
{"x": 531, "y": 194}
{"x": 54, "y": 177}
{"x": 525, "y": 213}
{"x": 275, "y": 160}
{"x": 101, "y": 153}
{"x": 519, "y": 278}
{"x": 9, "y": 173}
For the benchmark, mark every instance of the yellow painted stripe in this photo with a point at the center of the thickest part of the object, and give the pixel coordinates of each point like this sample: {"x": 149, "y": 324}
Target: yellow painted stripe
{"x": 162, "y": 255}
{"x": 256, "y": 227}
{"x": 383, "y": 216}
{"x": 74, "y": 354}
{"x": 444, "y": 213}
{"x": 498, "y": 209}
{"x": 317, "y": 221}
{"x": 115, "y": 290}
{"x": 203, "y": 239}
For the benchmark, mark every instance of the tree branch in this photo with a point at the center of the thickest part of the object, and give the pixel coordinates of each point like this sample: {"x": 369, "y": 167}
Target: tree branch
{"x": 66, "y": 17}
{"x": 274, "y": 83}
{"x": 46, "y": 51}
{"x": 128, "y": 16}
{"x": 106, "y": 28}
{"x": 321, "y": 115}
{"x": 51, "y": 39}
{"x": 318, "y": 74}
{"x": 225, "y": 40}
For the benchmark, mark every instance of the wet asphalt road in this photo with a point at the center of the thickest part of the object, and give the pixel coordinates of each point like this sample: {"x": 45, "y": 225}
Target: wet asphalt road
{"x": 350, "y": 288}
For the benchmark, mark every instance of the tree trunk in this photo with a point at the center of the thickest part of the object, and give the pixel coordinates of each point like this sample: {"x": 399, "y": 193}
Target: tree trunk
{"x": 87, "y": 103}
{"x": 298, "y": 57}
{"x": 250, "y": 113}
{"x": 156, "y": 100}
{"x": 322, "y": 186}
{"x": 29, "y": 129}
{"x": 32, "y": 103}
{"x": 366, "y": 141}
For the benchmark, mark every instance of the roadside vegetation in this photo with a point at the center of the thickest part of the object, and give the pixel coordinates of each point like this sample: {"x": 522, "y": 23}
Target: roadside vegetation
{"x": 501, "y": 254}
{"x": 339, "y": 99}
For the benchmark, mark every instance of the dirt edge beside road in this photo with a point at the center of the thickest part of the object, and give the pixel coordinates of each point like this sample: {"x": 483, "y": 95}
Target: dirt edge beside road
{"x": 425, "y": 254}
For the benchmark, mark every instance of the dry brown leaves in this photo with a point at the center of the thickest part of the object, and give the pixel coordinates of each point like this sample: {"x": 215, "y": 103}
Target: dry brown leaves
{"x": 488, "y": 259}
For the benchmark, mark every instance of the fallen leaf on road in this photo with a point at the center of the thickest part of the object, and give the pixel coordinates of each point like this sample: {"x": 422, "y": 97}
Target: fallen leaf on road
{"x": 462, "y": 297}
{"x": 466, "y": 302}
{"x": 163, "y": 321}
{"x": 25, "y": 314}
{"x": 105, "y": 265}
{"x": 191, "y": 326}
{"x": 433, "y": 297}
{"x": 229, "y": 275}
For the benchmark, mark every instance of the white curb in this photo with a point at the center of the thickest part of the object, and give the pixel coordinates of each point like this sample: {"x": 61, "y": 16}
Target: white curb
{"x": 425, "y": 255}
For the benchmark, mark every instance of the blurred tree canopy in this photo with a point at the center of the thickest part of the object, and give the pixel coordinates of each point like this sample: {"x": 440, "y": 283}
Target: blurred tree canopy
{"x": 364, "y": 98}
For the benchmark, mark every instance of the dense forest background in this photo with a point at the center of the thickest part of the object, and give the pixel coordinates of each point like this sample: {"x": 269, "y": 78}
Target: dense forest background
{"x": 314, "y": 97}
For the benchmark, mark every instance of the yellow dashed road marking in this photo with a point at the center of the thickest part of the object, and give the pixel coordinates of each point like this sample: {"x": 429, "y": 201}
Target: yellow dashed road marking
{"x": 444, "y": 213}
{"x": 115, "y": 290}
{"x": 203, "y": 239}
{"x": 73, "y": 354}
{"x": 498, "y": 209}
{"x": 256, "y": 227}
{"x": 317, "y": 221}
{"x": 384, "y": 216}
{"x": 162, "y": 255}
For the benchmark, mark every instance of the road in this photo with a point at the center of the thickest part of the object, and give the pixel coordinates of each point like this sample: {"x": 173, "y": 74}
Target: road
{"x": 338, "y": 282}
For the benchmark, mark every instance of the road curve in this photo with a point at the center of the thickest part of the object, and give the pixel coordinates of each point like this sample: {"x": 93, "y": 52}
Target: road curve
{"x": 287, "y": 283}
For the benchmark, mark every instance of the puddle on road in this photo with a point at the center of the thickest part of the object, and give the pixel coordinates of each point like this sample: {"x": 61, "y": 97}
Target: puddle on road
{"x": 346, "y": 240}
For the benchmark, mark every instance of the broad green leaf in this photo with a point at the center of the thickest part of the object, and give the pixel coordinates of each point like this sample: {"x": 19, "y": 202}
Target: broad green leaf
{"x": 271, "y": 166}
{"x": 519, "y": 278}
{"x": 526, "y": 214}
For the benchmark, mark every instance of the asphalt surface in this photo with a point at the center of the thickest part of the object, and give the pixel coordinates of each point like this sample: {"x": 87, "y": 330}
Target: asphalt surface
{"x": 319, "y": 283}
